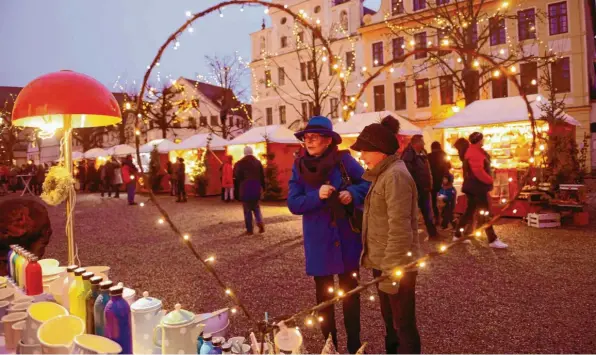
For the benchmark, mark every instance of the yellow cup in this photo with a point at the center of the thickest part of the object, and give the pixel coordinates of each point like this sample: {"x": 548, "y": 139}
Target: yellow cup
{"x": 38, "y": 313}
{"x": 95, "y": 344}
{"x": 57, "y": 335}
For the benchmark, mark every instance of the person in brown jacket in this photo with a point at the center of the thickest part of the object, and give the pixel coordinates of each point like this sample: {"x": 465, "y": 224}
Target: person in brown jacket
{"x": 390, "y": 234}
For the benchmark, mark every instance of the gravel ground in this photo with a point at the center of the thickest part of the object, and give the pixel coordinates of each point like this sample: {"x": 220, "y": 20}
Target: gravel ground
{"x": 537, "y": 297}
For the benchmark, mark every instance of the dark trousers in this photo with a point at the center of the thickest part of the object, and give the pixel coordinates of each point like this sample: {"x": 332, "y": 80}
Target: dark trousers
{"x": 173, "y": 187}
{"x": 447, "y": 215}
{"x": 131, "y": 188}
{"x": 424, "y": 203}
{"x": 106, "y": 186}
{"x": 476, "y": 203}
{"x": 351, "y": 308}
{"x": 181, "y": 190}
{"x": 399, "y": 315}
{"x": 250, "y": 208}
{"x": 116, "y": 189}
{"x": 436, "y": 213}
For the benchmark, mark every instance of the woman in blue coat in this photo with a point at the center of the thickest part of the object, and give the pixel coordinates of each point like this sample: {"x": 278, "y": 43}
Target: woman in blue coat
{"x": 325, "y": 189}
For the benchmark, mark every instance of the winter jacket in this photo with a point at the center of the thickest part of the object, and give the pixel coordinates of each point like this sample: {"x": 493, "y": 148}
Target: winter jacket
{"x": 117, "y": 176}
{"x": 418, "y": 167}
{"x": 128, "y": 172}
{"x": 330, "y": 247}
{"x": 478, "y": 161}
{"x": 449, "y": 192}
{"x": 439, "y": 166}
{"x": 227, "y": 175}
{"x": 390, "y": 226}
{"x": 251, "y": 178}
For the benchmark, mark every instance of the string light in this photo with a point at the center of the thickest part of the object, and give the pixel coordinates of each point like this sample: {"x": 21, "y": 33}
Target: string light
{"x": 210, "y": 259}
{"x": 228, "y": 292}
{"x": 534, "y": 179}
{"x": 191, "y": 30}
{"x": 309, "y": 322}
{"x": 398, "y": 273}
{"x": 321, "y": 319}
{"x": 186, "y": 237}
{"x": 478, "y": 233}
{"x": 510, "y": 179}
{"x": 443, "y": 248}
{"x": 142, "y": 204}
{"x": 541, "y": 147}
{"x": 514, "y": 211}
{"x": 266, "y": 11}
{"x": 422, "y": 264}
{"x": 409, "y": 253}
{"x": 188, "y": 14}
{"x": 234, "y": 310}
{"x": 330, "y": 289}
{"x": 354, "y": 275}
{"x": 340, "y": 293}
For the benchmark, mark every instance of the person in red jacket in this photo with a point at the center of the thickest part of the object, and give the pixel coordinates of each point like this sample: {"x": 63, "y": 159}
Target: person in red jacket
{"x": 478, "y": 182}
{"x": 227, "y": 179}
{"x": 129, "y": 172}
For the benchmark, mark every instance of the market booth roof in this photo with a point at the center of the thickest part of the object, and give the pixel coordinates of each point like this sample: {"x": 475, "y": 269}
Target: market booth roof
{"x": 95, "y": 153}
{"x": 200, "y": 141}
{"x": 495, "y": 111}
{"x": 360, "y": 120}
{"x": 163, "y": 146}
{"x": 273, "y": 133}
{"x": 121, "y": 149}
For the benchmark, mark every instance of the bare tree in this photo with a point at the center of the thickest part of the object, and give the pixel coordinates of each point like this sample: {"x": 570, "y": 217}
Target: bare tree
{"x": 165, "y": 107}
{"x": 10, "y": 135}
{"x": 90, "y": 137}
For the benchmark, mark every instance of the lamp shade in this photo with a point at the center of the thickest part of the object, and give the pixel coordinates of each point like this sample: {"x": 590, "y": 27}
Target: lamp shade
{"x": 45, "y": 101}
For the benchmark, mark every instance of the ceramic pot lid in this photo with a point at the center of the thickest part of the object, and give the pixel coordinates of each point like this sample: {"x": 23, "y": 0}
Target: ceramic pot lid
{"x": 146, "y": 303}
{"x": 178, "y": 317}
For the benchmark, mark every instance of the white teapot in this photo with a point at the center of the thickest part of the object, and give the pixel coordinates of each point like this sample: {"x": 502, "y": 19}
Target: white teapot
{"x": 179, "y": 332}
{"x": 146, "y": 314}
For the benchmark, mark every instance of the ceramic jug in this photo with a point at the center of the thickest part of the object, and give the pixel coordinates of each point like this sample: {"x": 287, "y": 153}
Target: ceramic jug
{"x": 146, "y": 314}
{"x": 178, "y": 332}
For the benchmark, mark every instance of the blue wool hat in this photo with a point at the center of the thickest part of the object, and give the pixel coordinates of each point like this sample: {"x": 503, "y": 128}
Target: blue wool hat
{"x": 321, "y": 125}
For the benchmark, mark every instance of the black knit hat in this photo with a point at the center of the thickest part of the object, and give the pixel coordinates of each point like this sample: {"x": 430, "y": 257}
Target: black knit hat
{"x": 377, "y": 137}
{"x": 475, "y": 137}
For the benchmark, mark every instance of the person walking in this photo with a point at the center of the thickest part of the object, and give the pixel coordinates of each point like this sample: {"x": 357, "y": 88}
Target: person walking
{"x": 227, "y": 179}
{"x": 181, "y": 180}
{"x": 117, "y": 180}
{"x": 414, "y": 156}
{"x": 478, "y": 182}
{"x": 439, "y": 167}
{"x": 448, "y": 195}
{"x": 327, "y": 190}
{"x": 40, "y": 177}
{"x": 129, "y": 172}
{"x": 108, "y": 178}
{"x": 389, "y": 234}
{"x": 250, "y": 175}
{"x": 82, "y": 175}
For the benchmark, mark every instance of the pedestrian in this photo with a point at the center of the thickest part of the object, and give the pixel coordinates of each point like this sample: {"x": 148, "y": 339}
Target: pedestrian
{"x": 439, "y": 167}
{"x": 93, "y": 177}
{"x": 328, "y": 191}
{"x": 249, "y": 173}
{"x": 4, "y": 179}
{"x": 448, "y": 196}
{"x": 117, "y": 180}
{"x": 227, "y": 179}
{"x": 390, "y": 235}
{"x": 129, "y": 177}
{"x": 416, "y": 160}
{"x": 108, "y": 177}
{"x": 174, "y": 178}
{"x": 478, "y": 182}
{"x": 39, "y": 179}
{"x": 181, "y": 180}
{"x": 82, "y": 176}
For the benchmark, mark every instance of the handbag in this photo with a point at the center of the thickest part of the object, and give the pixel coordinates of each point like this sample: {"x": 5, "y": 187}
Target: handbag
{"x": 355, "y": 215}
{"x": 472, "y": 185}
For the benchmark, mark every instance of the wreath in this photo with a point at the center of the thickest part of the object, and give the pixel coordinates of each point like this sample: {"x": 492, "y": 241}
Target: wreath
{"x": 56, "y": 186}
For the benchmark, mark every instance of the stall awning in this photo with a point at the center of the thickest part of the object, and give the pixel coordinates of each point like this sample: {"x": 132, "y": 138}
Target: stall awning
{"x": 356, "y": 123}
{"x": 95, "y": 153}
{"x": 495, "y": 111}
{"x": 121, "y": 150}
{"x": 200, "y": 141}
{"x": 274, "y": 133}
{"x": 163, "y": 146}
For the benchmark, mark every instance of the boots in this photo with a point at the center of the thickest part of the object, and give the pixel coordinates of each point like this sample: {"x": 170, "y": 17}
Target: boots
{"x": 261, "y": 227}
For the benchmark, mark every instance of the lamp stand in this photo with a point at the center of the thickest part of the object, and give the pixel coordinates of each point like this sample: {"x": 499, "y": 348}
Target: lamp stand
{"x": 70, "y": 200}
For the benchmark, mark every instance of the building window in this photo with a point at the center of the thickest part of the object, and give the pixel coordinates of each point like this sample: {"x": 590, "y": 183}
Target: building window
{"x": 302, "y": 71}
{"x": 529, "y": 78}
{"x": 304, "y": 111}
{"x": 281, "y": 74}
{"x": 300, "y": 37}
{"x": 446, "y": 89}
{"x": 311, "y": 70}
{"x": 269, "y": 115}
{"x": 334, "y": 104}
{"x": 557, "y": 18}
{"x": 192, "y": 123}
{"x": 268, "y": 78}
{"x": 497, "y": 31}
{"x": 311, "y": 109}
{"x": 377, "y": 53}
{"x": 420, "y": 39}
{"x": 282, "y": 115}
{"x": 203, "y": 121}
{"x": 397, "y": 7}
{"x": 526, "y": 22}
{"x": 317, "y": 9}
{"x": 284, "y": 41}
{"x": 442, "y": 35}
{"x": 419, "y": 5}
{"x": 214, "y": 121}
{"x": 499, "y": 86}
{"x": 350, "y": 61}
{"x": 344, "y": 21}
{"x": 561, "y": 75}
{"x": 399, "y": 96}
{"x": 442, "y": 2}
{"x": 398, "y": 48}
{"x": 379, "y": 95}
{"x": 422, "y": 93}
{"x": 475, "y": 35}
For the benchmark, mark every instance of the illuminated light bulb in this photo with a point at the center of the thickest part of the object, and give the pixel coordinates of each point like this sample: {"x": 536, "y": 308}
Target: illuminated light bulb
{"x": 285, "y": 6}
{"x": 186, "y": 237}
{"x": 242, "y": 9}
{"x": 221, "y": 14}
{"x": 324, "y": 59}
{"x": 321, "y": 319}
{"x": 461, "y": 230}
{"x": 504, "y": 200}
{"x": 318, "y": 21}
{"x": 351, "y": 113}
{"x": 376, "y": 62}
{"x": 372, "y": 298}
{"x": 505, "y": 4}
{"x": 345, "y": 107}
{"x": 228, "y": 292}
{"x": 364, "y": 69}
{"x": 188, "y": 14}
{"x": 459, "y": 60}
{"x": 127, "y": 105}
{"x": 366, "y": 104}
{"x": 510, "y": 179}
{"x": 266, "y": 11}
{"x": 409, "y": 253}
{"x": 443, "y": 248}
{"x": 403, "y": 46}
{"x": 476, "y": 63}
{"x": 301, "y": 11}
{"x": 538, "y": 98}
{"x": 513, "y": 69}
{"x": 534, "y": 81}
{"x": 541, "y": 147}
{"x": 137, "y": 132}
{"x": 496, "y": 73}
{"x": 342, "y": 75}
{"x": 394, "y": 284}
{"x": 210, "y": 259}
{"x": 352, "y": 99}
{"x": 391, "y": 70}
{"x": 330, "y": 289}
{"x": 234, "y": 310}
{"x": 309, "y": 322}
{"x": 478, "y": 234}
{"x": 531, "y": 159}
{"x": 132, "y": 177}
{"x": 445, "y": 42}
{"x": 191, "y": 30}
{"x": 335, "y": 66}
{"x": 157, "y": 64}
{"x": 430, "y": 43}
{"x": 422, "y": 264}
{"x": 140, "y": 116}
{"x": 354, "y": 275}
{"x": 515, "y": 211}
{"x": 340, "y": 293}
{"x": 399, "y": 273}
{"x": 502, "y": 51}
{"x": 160, "y": 221}
{"x": 482, "y": 213}
{"x": 412, "y": 42}
{"x": 455, "y": 109}
{"x": 142, "y": 204}
{"x": 534, "y": 179}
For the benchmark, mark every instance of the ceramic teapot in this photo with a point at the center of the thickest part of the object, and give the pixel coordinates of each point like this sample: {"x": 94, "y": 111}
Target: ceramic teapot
{"x": 178, "y": 332}
{"x": 146, "y": 314}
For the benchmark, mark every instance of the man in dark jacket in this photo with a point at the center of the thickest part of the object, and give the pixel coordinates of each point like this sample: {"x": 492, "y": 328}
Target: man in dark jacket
{"x": 250, "y": 176}
{"x": 417, "y": 163}
{"x": 181, "y": 180}
{"x": 439, "y": 167}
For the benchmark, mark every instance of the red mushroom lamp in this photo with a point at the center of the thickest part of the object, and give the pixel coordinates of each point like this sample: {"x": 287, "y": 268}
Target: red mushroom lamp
{"x": 66, "y": 100}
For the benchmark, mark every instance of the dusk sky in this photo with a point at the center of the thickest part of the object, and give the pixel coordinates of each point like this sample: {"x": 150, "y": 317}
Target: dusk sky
{"x": 111, "y": 38}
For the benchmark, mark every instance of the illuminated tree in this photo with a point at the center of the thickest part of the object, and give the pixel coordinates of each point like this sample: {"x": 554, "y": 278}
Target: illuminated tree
{"x": 166, "y": 108}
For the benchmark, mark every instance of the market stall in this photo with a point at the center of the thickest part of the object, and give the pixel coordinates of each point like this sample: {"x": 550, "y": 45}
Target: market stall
{"x": 164, "y": 147}
{"x": 507, "y": 137}
{"x": 121, "y": 150}
{"x": 275, "y": 140}
{"x": 193, "y": 149}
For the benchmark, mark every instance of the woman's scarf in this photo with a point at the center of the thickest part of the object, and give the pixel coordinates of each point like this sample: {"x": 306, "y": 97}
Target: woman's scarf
{"x": 315, "y": 171}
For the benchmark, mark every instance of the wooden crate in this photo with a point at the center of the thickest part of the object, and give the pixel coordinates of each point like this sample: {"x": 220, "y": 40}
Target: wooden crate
{"x": 544, "y": 220}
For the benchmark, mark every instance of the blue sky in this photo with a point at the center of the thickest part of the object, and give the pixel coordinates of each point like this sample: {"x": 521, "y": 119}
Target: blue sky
{"x": 111, "y": 38}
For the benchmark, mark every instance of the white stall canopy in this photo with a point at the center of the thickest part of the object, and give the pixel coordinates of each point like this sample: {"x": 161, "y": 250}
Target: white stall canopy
{"x": 121, "y": 150}
{"x": 356, "y": 123}
{"x": 163, "y": 146}
{"x": 274, "y": 133}
{"x": 95, "y": 153}
{"x": 200, "y": 141}
{"x": 495, "y": 111}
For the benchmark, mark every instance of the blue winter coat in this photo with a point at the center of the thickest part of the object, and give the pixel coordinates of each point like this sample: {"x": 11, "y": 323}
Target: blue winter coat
{"x": 328, "y": 249}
